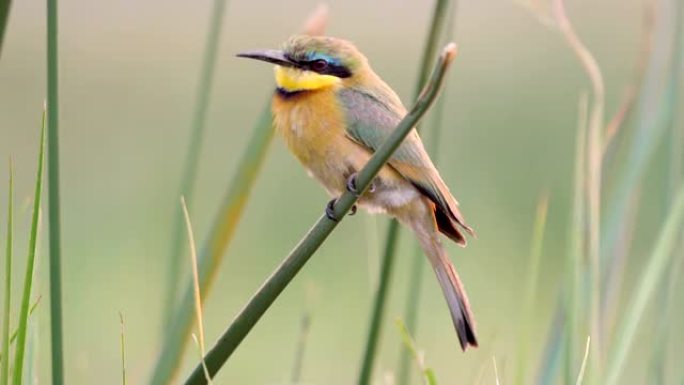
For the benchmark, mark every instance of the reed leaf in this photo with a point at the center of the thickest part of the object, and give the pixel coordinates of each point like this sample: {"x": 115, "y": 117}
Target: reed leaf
{"x": 652, "y": 275}
{"x": 20, "y": 348}
{"x": 527, "y": 325}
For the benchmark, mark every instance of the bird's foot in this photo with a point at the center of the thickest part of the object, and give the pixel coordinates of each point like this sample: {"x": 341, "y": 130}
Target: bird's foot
{"x": 351, "y": 186}
{"x": 330, "y": 210}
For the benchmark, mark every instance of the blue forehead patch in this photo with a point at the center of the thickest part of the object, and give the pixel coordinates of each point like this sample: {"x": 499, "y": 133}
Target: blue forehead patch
{"x": 311, "y": 56}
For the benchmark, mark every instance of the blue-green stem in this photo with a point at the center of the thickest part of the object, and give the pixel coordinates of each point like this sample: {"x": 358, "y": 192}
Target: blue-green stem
{"x": 55, "y": 228}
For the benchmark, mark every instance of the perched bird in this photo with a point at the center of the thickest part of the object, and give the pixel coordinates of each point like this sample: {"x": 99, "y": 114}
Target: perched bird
{"x": 333, "y": 112}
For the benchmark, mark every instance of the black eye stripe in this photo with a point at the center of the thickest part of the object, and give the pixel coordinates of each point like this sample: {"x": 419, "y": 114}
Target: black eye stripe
{"x": 330, "y": 69}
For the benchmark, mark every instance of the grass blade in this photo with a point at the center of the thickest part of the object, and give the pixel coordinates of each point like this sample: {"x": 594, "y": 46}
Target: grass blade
{"x": 532, "y": 283}
{"x": 555, "y": 348}
{"x": 594, "y": 154}
{"x": 389, "y": 251}
{"x": 656, "y": 267}
{"x": 577, "y": 241}
{"x": 187, "y": 186}
{"x": 123, "y": 350}
{"x": 196, "y": 285}
{"x": 4, "y": 372}
{"x": 55, "y": 227}
{"x": 429, "y": 376}
{"x": 580, "y": 376}
{"x": 20, "y": 348}
{"x": 305, "y": 326}
{"x": 275, "y": 284}
{"x": 656, "y": 109}
{"x": 4, "y": 16}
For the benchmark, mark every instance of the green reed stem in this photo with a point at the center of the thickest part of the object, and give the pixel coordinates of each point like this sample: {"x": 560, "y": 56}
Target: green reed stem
{"x": 436, "y": 27}
{"x": 378, "y": 308}
{"x": 4, "y": 371}
{"x": 293, "y": 263}
{"x": 55, "y": 228}
{"x": 187, "y": 186}
{"x": 4, "y": 17}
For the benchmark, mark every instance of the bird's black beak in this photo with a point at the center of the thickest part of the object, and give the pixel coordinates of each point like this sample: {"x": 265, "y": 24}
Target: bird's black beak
{"x": 269, "y": 55}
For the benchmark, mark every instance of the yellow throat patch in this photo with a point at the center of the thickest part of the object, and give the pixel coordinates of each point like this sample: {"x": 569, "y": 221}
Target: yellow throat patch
{"x": 294, "y": 79}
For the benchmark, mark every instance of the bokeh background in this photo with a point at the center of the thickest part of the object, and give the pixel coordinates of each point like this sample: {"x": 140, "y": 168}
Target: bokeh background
{"x": 128, "y": 75}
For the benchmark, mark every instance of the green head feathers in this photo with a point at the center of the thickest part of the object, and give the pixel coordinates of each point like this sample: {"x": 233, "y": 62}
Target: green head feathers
{"x": 325, "y": 55}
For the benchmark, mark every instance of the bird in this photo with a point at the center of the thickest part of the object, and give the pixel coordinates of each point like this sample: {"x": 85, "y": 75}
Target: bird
{"x": 333, "y": 111}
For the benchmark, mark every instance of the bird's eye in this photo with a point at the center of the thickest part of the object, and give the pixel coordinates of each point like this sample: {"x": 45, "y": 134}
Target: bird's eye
{"x": 319, "y": 65}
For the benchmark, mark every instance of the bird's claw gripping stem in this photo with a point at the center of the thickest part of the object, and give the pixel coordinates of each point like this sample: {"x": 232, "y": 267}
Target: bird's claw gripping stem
{"x": 351, "y": 186}
{"x": 330, "y": 210}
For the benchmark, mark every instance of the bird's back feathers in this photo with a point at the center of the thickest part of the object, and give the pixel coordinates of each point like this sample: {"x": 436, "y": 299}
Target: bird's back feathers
{"x": 371, "y": 116}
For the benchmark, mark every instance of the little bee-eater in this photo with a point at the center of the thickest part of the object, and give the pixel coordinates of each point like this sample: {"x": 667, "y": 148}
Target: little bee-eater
{"x": 333, "y": 112}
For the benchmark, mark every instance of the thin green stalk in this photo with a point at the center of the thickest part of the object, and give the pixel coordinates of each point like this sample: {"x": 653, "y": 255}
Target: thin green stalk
{"x": 436, "y": 27}
{"x": 580, "y": 376}
{"x": 187, "y": 186}
{"x": 415, "y": 284}
{"x": 653, "y": 274}
{"x": 20, "y": 348}
{"x": 4, "y": 372}
{"x": 305, "y": 325}
{"x": 666, "y": 292}
{"x": 656, "y": 108}
{"x": 532, "y": 282}
{"x": 555, "y": 348}
{"x": 428, "y": 374}
{"x": 292, "y": 264}
{"x": 214, "y": 247}
{"x": 123, "y": 350}
{"x": 378, "y": 309}
{"x": 594, "y": 154}
{"x": 55, "y": 228}
{"x": 574, "y": 258}
{"x": 4, "y": 16}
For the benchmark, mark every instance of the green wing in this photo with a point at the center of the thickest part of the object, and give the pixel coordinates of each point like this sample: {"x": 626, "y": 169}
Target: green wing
{"x": 371, "y": 121}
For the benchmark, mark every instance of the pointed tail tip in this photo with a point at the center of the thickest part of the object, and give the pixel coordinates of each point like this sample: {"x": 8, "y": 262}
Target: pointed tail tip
{"x": 466, "y": 335}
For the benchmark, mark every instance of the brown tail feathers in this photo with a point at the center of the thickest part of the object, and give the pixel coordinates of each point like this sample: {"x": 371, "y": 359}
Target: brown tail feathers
{"x": 454, "y": 293}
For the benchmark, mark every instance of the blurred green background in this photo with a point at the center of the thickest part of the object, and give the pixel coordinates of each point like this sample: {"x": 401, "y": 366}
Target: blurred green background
{"x": 128, "y": 73}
